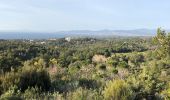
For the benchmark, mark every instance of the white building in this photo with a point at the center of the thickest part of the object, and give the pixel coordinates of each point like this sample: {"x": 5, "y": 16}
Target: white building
{"x": 68, "y": 39}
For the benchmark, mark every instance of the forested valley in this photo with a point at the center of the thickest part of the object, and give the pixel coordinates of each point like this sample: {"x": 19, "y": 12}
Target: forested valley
{"x": 118, "y": 68}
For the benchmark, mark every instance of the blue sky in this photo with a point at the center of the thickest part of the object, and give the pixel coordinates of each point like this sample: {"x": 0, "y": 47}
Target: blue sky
{"x": 58, "y": 15}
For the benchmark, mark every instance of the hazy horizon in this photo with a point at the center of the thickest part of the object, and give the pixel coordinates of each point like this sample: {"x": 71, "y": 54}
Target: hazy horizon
{"x": 81, "y": 30}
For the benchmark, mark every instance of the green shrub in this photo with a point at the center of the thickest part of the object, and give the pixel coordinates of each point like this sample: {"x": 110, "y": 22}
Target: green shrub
{"x": 11, "y": 94}
{"x": 115, "y": 71}
{"x": 123, "y": 64}
{"x": 8, "y": 80}
{"x": 117, "y": 90}
{"x": 33, "y": 78}
{"x": 84, "y": 94}
{"x": 31, "y": 93}
{"x": 166, "y": 93}
{"x": 73, "y": 70}
{"x": 88, "y": 83}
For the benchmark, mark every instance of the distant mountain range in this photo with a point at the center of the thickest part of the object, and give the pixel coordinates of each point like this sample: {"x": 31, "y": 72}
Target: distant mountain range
{"x": 77, "y": 33}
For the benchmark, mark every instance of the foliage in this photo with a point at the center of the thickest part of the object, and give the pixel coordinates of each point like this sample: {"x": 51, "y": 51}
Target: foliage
{"x": 34, "y": 78}
{"x": 117, "y": 90}
{"x": 162, "y": 40}
{"x": 133, "y": 68}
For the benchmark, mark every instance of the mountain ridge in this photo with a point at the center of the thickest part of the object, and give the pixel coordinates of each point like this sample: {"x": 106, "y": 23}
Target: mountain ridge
{"x": 73, "y": 33}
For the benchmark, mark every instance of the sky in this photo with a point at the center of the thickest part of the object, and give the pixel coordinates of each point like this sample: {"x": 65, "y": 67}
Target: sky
{"x": 63, "y": 15}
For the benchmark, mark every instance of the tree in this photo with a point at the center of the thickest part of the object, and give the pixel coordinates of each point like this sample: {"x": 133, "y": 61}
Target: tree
{"x": 162, "y": 40}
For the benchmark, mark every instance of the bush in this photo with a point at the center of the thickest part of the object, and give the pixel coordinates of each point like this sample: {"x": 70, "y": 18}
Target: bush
{"x": 12, "y": 94}
{"x": 8, "y": 80}
{"x": 117, "y": 90}
{"x": 88, "y": 83}
{"x": 115, "y": 71}
{"x": 31, "y": 93}
{"x": 123, "y": 64}
{"x": 33, "y": 78}
{"x": 83, "y": 94}
{"x": 137, "y": 58}
{"x": 73, "y": 70}
{"x": 166, "y": 93}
